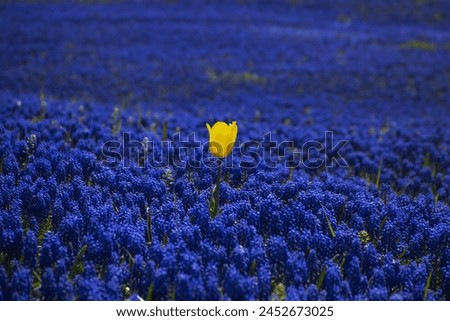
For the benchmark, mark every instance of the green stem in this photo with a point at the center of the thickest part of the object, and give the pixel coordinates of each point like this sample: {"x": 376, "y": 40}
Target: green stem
{"x": 214, "y": 205}
{"x": 377, "y": 183}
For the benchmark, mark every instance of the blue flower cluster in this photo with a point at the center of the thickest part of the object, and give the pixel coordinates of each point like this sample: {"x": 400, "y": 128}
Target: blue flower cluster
{"x": 78, "y": 76}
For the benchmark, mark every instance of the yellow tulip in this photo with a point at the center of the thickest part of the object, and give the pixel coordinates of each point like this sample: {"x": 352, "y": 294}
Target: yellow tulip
{"x": 222, "y": 137}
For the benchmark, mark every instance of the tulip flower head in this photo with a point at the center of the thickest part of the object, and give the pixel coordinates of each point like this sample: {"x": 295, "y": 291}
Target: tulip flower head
{"x": 222, "y": 137}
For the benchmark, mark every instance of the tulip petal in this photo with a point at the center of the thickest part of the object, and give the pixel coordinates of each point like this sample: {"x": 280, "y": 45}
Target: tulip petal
{"x": 222, "y": 137}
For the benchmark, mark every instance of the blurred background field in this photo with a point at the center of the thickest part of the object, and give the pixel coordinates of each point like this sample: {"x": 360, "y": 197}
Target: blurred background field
{"x": 197, "y": 52}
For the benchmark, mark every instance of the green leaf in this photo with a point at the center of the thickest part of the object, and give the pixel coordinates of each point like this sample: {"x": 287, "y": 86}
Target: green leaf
{"x": 427, "y": 286}
{"x": 164, "y": 131}
{"x": 330, "y": 227}
{"x": 380, "y": 165}
{"x": 149, "y": 295}
{"x": 253, "y": 267}
{"x": 321, "y": 277}
{"x": 77, "y": 267}
{"x": 149, "y": 227}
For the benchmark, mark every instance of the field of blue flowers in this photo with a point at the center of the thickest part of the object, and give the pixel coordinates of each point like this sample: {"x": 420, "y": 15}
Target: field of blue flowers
{"x": 77, "y": 75}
